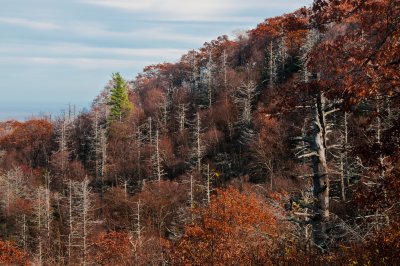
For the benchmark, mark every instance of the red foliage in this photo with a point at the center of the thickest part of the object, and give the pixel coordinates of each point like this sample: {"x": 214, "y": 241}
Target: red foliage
{"x": 382, "y": 248}
{"x": 364, "y": 59}
{"x": 20, "y": 206}
{"x": 10, "y": 254}
{"x": 113, "y": 248}
{"x": 26, "y": 133}
{"x": 235, "y": 229}
{"x": 7, "y": 127}
{"x": 31, "y": 140}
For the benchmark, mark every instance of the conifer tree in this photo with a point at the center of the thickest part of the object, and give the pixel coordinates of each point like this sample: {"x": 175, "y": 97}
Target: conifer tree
{"x": 119, "y": 100}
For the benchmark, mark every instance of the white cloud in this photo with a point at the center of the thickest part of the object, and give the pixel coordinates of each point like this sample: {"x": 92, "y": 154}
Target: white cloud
{"x": 76, "y": 49}
{"x": 289, "y": 5}
{"x": 28, "y": 23}
{"x": 195, "y": 10}
{"x": 78, "y": 63}
{"x": 173, "y": 9}
{"x": 159, "y": 33}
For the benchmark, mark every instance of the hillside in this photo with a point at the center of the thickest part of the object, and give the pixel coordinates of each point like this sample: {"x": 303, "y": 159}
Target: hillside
{"x": 280, "y": 147}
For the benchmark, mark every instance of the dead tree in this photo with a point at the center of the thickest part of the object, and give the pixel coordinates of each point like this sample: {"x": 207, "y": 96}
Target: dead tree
{"x": 198, "y": 147}
{"x": 245, "y": 98}
{"x": 312, "y": 38}
{"x": 100, "y": 147}
{"x": 272, "y": 66}
{"x": 80, "y": 221}
{"x": 316, "y": 140}
{"x": 43, "y": 220}
{"x": 314, "y": 146}
{"x": 181, "y": 116}
{"x": 157, "y": 160}
{"x": 225, "y": 68}
{"x": 209, "y": 71}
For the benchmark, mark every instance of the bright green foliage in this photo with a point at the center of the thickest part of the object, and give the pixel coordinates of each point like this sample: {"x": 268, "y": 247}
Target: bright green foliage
{"x": 119, "y": 100}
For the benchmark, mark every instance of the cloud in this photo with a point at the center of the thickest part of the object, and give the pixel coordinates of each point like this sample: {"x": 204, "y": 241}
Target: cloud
{"x": 158, "y": 33}
{"x": 178, "y": 9}
{"x": 28, "y": 23}
{"x": 76, "y": 49}
{"x": 194, "y": 10}
{"x": 78, "y": 63}
{"x": 289, "y": 5}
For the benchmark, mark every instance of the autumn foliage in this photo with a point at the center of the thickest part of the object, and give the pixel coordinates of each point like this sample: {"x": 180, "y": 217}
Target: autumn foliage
{"x": 27, "y": 142}
{"x": 10, "y": 254}
{"x": 234, "y": 228}
{"x": 278, "y": 147}
{"x": 113, "y": 248}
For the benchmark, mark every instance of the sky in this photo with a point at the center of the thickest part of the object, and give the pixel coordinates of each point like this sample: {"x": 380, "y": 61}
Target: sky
{"x": 59, "y": 52}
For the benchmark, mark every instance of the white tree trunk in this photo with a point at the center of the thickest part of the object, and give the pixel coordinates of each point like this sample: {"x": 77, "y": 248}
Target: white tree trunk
{"x": 320, "y": 172}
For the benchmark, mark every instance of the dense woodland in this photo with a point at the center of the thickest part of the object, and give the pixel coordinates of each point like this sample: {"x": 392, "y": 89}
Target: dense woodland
{"x": 280, "y": 147}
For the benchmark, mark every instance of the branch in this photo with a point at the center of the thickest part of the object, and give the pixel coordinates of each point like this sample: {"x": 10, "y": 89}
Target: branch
{"x": 308, "y": 155}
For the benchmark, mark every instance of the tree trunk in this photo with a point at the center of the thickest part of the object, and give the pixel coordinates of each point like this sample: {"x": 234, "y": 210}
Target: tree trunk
{"x": 320, "y": 175}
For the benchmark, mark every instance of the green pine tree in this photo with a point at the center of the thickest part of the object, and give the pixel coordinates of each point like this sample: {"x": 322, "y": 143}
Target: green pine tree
{"x": 119, "y": 100}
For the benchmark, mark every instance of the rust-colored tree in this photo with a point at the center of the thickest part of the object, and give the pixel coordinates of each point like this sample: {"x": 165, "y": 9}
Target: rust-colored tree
{"x": 113, "y": 248}
{"x": 29, "y": 143}
{"x": 235, "y": 229}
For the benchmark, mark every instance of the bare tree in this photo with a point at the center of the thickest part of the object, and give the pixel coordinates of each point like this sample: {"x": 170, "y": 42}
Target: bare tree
{"x": 282, "y": 52}
{"x": 80, "y": 221}
{"x": 195, "y": 75}
{"x": 379, "y": 125}
{"x": 164, "y": 110}
{"x": 272, "y": 66}
{"x": 157, "y": 160}
{"x": 245, "y": 98}
{"x": 312, "y": 38}
{"x": 344, "y": 167}
{"x": 313, "y": 144}
{"x": 225, "y": 68}
{"x": 39, "y": 220}
{"x": 13, "y": 186}
{"x": 150, "y": 130}
{"x": 43, "y": 219}
{"x": 181, "y": 116}
{"x": 198, "y": 147}
{"x": 140, "y": 138}
{"x": 64, "y": 126}
{"x": 209, "y": 74}
{"x": 208, "y": 185}
{"x": 100, "y": 146}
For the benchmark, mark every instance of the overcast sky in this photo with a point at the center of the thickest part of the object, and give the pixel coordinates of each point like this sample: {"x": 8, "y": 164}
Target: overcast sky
{"x": 55, "y": 52}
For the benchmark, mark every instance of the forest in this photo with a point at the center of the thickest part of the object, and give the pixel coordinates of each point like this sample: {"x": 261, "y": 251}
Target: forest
{"x": 280, "y": 147}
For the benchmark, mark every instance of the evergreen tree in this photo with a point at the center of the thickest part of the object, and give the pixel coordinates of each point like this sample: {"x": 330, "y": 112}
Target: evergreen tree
{"x": 119, "y": 101}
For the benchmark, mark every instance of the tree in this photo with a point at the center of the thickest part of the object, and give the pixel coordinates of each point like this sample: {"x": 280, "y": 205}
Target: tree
{"x": 29, "y": 143}
{"x": 158, "y": 160}
{"x": 43, "y": 219}
{"x": 119, "y": 100}
{"x": 60, "y": 159}
{"x": 198, "y": 147}
{"x": 272, "y": 67}
{"x": 80, "y": 219}
{"x": 364, "y": 60}
{"x": 245, "y": 98}
{"x": 181, "y": 116}
{"x": 15, "y": 205}
{"x": 113, "y": 248}
{"x": 234, "y": 229}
